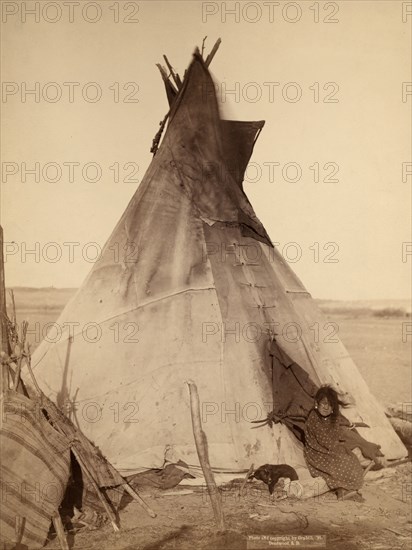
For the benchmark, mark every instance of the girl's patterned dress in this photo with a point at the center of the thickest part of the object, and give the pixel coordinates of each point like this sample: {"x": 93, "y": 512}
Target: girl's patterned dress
{"x": 328, "y": 458}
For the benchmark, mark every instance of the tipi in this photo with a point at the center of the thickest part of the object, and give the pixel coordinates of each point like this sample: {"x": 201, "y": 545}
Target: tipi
{"x": 189, "y": 287}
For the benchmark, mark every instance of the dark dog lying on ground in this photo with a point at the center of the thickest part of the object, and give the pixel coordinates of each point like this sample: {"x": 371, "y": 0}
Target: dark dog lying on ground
{"x": 271, "y": 473}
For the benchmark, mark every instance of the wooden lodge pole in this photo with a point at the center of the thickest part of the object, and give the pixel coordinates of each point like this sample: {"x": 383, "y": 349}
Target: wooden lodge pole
{"x": 61, "y": 535}
{"x": 213, "y": 52}
{"x": 202, "y": 451}
{"x": 3, "y": 312}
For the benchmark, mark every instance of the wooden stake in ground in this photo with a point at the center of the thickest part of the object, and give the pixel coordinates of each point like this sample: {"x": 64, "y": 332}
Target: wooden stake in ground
{"x": 202, "y": 451}
{"x": 249, "y": 473}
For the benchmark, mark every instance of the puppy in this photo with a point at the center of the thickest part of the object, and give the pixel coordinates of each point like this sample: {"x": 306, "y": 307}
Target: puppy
{"x": 271, "y": 473}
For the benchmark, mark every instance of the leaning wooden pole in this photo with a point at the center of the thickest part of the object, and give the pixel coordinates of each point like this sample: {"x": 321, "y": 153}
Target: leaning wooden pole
{"x": 3, "y": 311}
{"x": 213, "y": 52}
{"x": 139, "y": 499}
{"x": 202, "y": 451}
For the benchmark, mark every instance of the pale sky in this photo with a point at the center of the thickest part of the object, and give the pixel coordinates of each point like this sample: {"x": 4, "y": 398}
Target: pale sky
{"x": 330, "y": 92}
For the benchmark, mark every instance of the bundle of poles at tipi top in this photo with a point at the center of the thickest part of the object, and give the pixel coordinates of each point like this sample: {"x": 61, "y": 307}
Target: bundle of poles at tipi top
{"x": 172, "y": 88}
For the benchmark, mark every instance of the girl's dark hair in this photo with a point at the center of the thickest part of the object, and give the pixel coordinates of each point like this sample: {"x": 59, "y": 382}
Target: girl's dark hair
{"x": 333, "y": 398}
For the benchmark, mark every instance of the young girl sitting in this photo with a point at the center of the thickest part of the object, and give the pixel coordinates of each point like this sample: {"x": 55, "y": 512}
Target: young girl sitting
{"x": 327, "y": 450}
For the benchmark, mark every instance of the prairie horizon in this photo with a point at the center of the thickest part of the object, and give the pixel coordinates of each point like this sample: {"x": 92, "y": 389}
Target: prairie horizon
{"x": 375, "y": 333}
{"x": 61, "y": 295}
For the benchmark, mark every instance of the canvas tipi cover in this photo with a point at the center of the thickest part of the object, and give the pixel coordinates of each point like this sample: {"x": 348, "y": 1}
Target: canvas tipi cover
{"x": 190, "y": 287}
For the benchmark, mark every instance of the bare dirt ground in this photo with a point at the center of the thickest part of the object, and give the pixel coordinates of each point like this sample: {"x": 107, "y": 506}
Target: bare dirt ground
{"x": 185, "y": 521}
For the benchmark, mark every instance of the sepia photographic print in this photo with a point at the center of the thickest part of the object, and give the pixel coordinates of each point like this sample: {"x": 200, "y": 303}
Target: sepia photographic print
{"x": 205, "y": 275}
